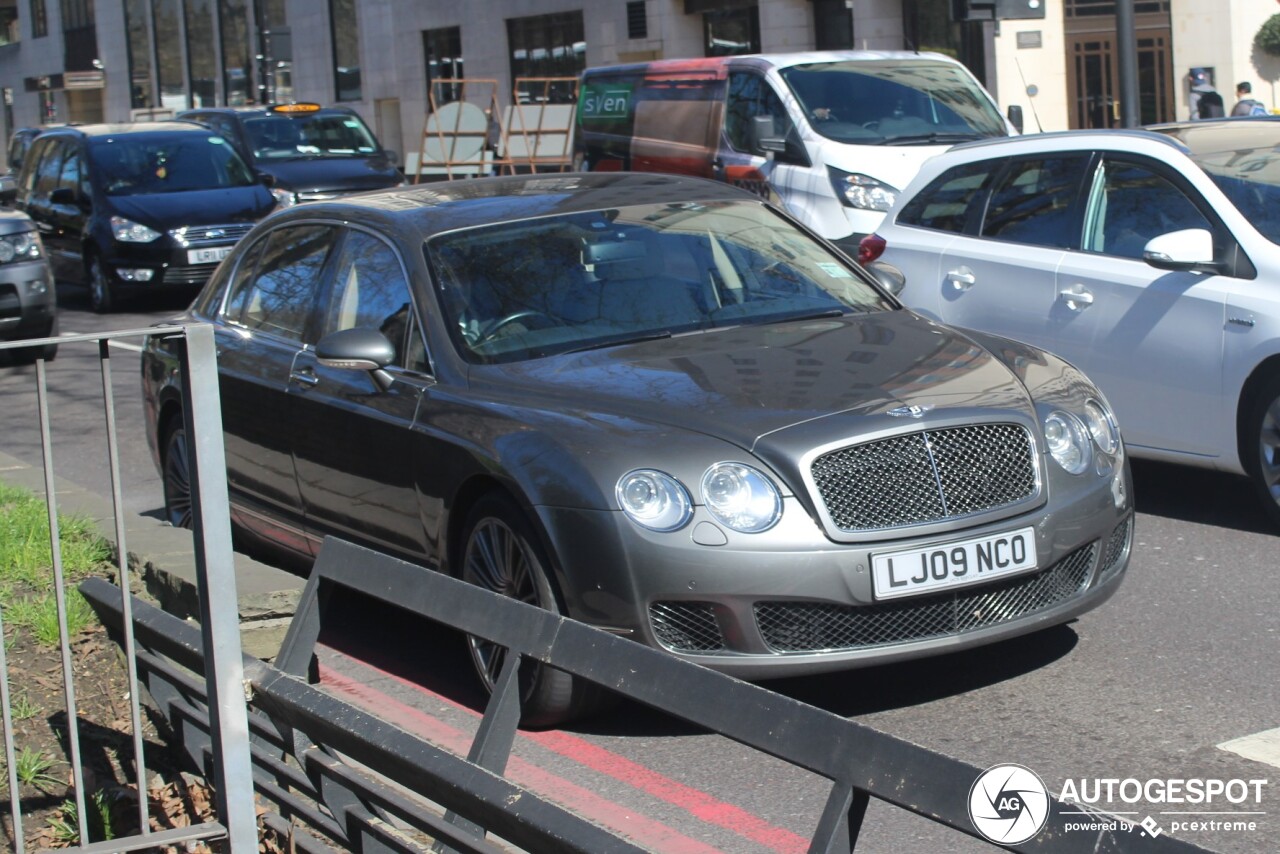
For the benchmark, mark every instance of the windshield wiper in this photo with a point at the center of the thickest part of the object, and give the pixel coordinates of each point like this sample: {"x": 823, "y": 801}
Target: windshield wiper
{"x": 932, "y": 138}
{"x": 616, "y": 341}
{"x": 805, "y": 315}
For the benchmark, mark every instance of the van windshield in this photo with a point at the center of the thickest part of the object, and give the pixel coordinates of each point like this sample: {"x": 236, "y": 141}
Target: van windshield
{"x": 134, "y": 165}
{"x": 894, "y": 102}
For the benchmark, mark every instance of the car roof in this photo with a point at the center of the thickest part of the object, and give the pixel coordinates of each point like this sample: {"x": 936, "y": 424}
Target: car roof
{"x": 1214, "y": 136}
{"x": 775, "y": 60}
{"x": 128, "y": 128}
{"x": 267, "y": 110}
{"x": 448, "y": 205}
{"x": 1102, "y": 138}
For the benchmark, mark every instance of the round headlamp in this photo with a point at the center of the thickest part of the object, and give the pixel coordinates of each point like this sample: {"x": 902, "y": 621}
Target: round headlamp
{"x": 654, "y": 500}
{"x": 1068, "y": 441}
{"x": 741, "y": 498}
{"x": 1102, "y": 427}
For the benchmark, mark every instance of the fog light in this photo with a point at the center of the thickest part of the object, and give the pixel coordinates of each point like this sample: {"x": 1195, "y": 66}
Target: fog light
{"x": 138, "y": 274}
{"x": 36, "y": 287}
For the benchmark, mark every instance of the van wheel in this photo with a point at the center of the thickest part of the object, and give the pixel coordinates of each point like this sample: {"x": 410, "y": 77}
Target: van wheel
{"x": 502, "y": 555}
{"x": 48, "y": 352}
{"x": 176, "y": 473}
{"x": 101, "y": 300}
{"x": 1260, "y": 448}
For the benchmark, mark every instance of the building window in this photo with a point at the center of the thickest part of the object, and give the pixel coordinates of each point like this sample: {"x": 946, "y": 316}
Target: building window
{"x": 201, "y": 60}
{"x": 39, "y": 19}
{"x": 76, "y": 14}
{"x": 548, "y": 46}
{"x": 637, "y": 20}
{"x": 732, "y": 32}
{"x": 237, "y": 72}
{"x": 442, "y": 57}
{"x": 832, "y": 25}
{"x": 10, "y": 25}
{"x": 346, "y": 49}
{"x": 277, "y": 52}
{"x": 926, "y": 25}
{"x": 169, "y": 65}
{"x": 138, "y": 42}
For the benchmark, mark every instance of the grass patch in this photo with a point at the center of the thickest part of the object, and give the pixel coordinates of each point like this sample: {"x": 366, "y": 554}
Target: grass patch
{"x": 25, "y": 553}
{"x": 38, "y": 614}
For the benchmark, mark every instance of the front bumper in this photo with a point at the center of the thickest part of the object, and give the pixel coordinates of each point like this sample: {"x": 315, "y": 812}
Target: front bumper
{"x": 792, "y": 602}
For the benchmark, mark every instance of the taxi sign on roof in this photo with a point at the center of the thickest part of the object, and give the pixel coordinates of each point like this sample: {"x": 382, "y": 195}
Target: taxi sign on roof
{"x": 305, "y": 107}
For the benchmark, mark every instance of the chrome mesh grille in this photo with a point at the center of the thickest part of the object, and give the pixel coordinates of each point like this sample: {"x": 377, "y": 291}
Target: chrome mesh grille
{"x": 686, "y": 626}
{"x": 812, "y": 626}
{"x": 928, "y": 476}
{"x": 195, "y": 236}
{"x": 1117, "y": 543}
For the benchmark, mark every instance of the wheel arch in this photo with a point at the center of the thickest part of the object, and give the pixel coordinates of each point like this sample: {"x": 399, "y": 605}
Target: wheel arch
{"x": 1261, "y": 374}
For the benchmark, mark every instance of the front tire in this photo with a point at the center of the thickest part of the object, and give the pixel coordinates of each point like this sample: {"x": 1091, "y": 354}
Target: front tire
{"x": 176, "y": 472}
{"x": 48, "y": 352}
{"x": 502, "y": 555}
{"x": 101, "y": 299}
{"x": 1261, "y": 445}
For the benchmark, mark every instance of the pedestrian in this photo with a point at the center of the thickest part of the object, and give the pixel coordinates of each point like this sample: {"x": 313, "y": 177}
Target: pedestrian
{"x": 1246, "y": 104}
{"x": 1205, "y": 101}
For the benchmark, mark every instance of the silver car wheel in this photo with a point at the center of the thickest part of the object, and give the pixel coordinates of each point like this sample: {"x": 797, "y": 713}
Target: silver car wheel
{"x": 497, "y": 561}
{"x": 1269, "y": 450}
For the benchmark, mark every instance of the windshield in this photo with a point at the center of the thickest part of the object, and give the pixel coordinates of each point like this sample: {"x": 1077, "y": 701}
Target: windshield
{"x": 277, "y": 137}
{"x": 1250, "y": 178}
{"x": 898, "y": 102}
{"x": 129, "y": 165}
{"x": 534, "y": 288}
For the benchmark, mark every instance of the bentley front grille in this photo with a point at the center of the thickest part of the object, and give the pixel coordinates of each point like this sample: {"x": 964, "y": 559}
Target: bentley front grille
{"x": 686, "y": 626}
{"x": 929, "y": 476}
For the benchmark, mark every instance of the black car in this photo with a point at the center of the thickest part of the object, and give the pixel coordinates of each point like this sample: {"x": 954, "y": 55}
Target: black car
{"x": 19, "y": 141}
{"x": 311, "y": 152}
{"x": 657, "y": 405}
{"x": 138, "y": 207}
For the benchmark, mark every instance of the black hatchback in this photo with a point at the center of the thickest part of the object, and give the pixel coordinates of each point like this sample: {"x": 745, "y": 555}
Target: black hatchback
{"x": 310, "y": 152}
{"x": 138, "y": 207}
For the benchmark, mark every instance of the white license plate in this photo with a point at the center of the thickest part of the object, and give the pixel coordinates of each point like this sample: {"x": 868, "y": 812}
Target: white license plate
{"x": 211, "y": 255}
{"x": 914, "y": 571}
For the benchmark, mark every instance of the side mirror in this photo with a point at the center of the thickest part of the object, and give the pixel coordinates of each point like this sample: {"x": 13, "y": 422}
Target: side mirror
{"x": 889, "y": 276}
{"x": 64, "y": 196}
{"x": 1190, "y": 249}
{"x": 266, "y": 179}
{"x": 764, "y": 138}
{"x": 392, "y": 157}
{"x": 1015, "y": 116}
{"x": 360, "y": 349}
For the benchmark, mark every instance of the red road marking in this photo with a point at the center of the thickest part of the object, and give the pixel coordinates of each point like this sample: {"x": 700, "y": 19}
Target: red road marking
{"x": 648, "y": 832}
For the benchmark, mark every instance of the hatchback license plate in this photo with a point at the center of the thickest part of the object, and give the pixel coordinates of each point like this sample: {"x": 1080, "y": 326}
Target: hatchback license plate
{"x": 211, "y": 255}
{"x": 914, "y": 571}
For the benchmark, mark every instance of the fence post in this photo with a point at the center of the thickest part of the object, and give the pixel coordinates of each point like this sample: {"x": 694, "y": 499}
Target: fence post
{"x": 216, "y": 582}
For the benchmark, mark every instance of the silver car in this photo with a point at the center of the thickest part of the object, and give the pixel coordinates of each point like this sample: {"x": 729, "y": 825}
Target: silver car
{"x": 28, "y": 300}
{"x": 659, "y": 406}
{"x": 1149, "y": 260}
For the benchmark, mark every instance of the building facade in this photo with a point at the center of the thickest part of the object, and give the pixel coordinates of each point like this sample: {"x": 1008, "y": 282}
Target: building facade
{"x": 392, "y": 60}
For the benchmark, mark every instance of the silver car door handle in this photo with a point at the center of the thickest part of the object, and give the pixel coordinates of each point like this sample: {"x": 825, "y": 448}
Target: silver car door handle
{"x": 961, "y": 279}
{"x": 1076, "y": 297}
{"x": 304, "y": 377}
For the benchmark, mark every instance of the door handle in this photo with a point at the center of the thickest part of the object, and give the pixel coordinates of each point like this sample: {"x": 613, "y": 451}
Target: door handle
{"x": 306, "y": 377}
{"x": 1077, "y": 297}
{"x": 961, "y": 279}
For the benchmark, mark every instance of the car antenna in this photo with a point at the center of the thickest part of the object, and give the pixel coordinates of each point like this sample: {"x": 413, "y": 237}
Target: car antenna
{"x": 1030, "y": 99}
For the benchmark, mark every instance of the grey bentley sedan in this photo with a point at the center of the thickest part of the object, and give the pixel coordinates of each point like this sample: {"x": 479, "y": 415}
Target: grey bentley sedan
{"x": 657, "y": 405}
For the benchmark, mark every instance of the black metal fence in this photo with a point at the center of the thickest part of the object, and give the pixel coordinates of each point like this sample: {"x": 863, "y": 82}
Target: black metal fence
{"x": 309, "y": 747}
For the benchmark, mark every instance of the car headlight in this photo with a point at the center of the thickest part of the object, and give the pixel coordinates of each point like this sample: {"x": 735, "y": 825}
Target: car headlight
{"x": 654, "y": 500}
{"x": 741, "y": 498}
{"x": 1068, "y": 441}
{"x": 23, "y": 246}
{"x": 861, "y": 191}
{"x": 1102, "y": 427}
{"x": 128, "y": 231}
{"x": 284, "y": 198}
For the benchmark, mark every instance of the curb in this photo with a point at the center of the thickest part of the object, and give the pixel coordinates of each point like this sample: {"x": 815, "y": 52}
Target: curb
{"x": 163, "y": 559}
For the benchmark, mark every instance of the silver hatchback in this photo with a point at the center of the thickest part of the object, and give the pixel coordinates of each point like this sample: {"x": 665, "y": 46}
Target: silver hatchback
{"x": 28, "y": 300}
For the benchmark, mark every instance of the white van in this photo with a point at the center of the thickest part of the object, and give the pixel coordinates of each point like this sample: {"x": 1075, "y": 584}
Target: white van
{"x": 833, "y": 135}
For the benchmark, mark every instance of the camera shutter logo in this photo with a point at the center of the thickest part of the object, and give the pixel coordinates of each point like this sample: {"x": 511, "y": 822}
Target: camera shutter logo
{"x": 1008, "y": 804}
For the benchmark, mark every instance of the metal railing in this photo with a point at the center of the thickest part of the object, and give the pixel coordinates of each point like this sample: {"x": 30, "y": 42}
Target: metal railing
{"x": 231, "y": 771}
{"x": 306, "y": 739}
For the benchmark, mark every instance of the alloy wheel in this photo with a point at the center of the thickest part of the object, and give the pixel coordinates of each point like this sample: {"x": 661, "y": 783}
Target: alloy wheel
{"x": 177, "y": 480}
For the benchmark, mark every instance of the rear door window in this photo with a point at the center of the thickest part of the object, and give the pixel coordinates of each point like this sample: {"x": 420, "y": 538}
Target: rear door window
{"x": 279, "y": 296}
{"x": 1037, "y": 201}
{"x": 1133, "y": 203}
{"x": 949, "y": 202}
